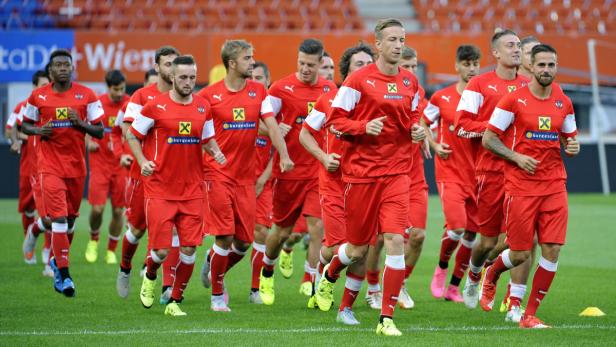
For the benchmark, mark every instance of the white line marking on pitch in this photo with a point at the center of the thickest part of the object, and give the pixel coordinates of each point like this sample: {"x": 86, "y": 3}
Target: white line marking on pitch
{"x": 285, "y": 331}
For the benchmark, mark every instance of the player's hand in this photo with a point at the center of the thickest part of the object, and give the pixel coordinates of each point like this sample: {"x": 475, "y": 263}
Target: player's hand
{"x": 46, "y": 130}
{"x": 93, "y": 146}
{"x": 147, "y": 168}
{"x": 526, "y": 163}
{"x": 425, "y": 149}
{"x": 284, "y": 129}
{"x": 220, "y": 158}
{"x": 286, "y": 164}
{"x": 73, "y": 116}
{"x": 442, "y": 150}
{"x": 126, "y": 160}
{"x": 375, "y": 126}
{"x": 331, "y": 162}
{"x": 573, "y": 146}
{"x": 418, "y": 133}
{"x": 16, "y": 147}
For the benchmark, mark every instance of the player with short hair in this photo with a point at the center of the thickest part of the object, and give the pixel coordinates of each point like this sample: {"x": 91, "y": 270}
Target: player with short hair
{"x": 377, "y": 108}
{"x": 527, "y": 43}
{"x": 527, "y": 129}
{"x": 62, "y": 113}
{"x": 151, "y": 77}
{"x": 327, "y": 68}
{"x": 107, "y": 178}
{"x": 454, "y": 166}
{"x": 295, "y": 192}
{"x": 173, "y": 128}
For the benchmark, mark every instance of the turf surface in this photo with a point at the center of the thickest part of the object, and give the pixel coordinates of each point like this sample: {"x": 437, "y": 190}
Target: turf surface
{"x": 33, "y": 314}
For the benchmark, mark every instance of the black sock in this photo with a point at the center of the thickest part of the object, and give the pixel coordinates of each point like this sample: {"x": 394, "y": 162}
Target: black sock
{"x": 455, "y": 281}
{"x": 64, "y": 273}
{"x": 267, "y": 273}
{"x": 125, "y": 270}
{"x": 150, "y": 278}
{"x": 165, "y": 288}
{"x": 443, "y": 265}
{"x": 254, "y": 290}
{"x": 326, "y": 274}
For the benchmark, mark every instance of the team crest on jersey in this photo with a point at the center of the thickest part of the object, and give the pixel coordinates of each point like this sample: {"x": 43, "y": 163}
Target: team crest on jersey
{"x": 310, "y": 106}
{"x": 406, "y": 82}
{"x": 62, "y": 113}
{"x": 511, "y": 89}
{"x": 78, "y": 96}
{"x": 185, "y": 128}
{"x": 200, "y": 109}
{"x": 545, "y": 123}
{"x": 252, "y": 94}
{"x": 239, "y": 115}
{"x": 392, "y": 88}
{"x": 558, "y": 104}
{"x": 326, "y": 89}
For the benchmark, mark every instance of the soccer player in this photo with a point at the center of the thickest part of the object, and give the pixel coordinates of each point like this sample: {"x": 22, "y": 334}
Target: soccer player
{"x": 295, "y": 192}
{"x": 135, "y": 213}
{"x": 527, "y": 129}
{"x": 527, "y": 46}
{"x": 327, "y": 69}
{"x": 172, "y": 128}
{"x": 477, "y": 103}
{"x": 151, "y": 77}
{"x": 238, "y": 104}
{"x": 62, "y": 113}
{"x": 107, "y": 178}
{"x": 455, "y": 176}
{"x": 325, "y": 147}
{"x": 377, "y": 108}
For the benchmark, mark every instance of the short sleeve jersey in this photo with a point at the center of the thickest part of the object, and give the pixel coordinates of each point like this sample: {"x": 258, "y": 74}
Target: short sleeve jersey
{"x": 263, "y": 155}
{"x": 104, "y": 158}
{"x": 533, "y": 127}
{"x": 12, "y": 120}
{"x": 236, "y": 121}
{"x": 62, "y": 154}
{"x": 27, "y": 159}
{"x": 417, "y": 173}
{"x": 172, "y": 136}
{"x": 292, "y": 100}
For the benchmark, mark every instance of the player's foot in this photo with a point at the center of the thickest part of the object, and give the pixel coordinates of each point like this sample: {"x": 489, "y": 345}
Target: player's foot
{"x": 532, "y": 322}
{"x": 388, "y": 328}
{"x": 514, "y": 314}
{"x": 312, "y": 302}
{"x": 324, "y": 294}
{"x": 470, "y": 293}
{"x": 255, "y": 298}
{"x": 123, "y": 284}
{"x": 488, "y": 291}
{"x": 453, "y": 294}
{"x": 111, "y": 258}
{"x": 45, "y": 255}
{"x": 28, "y": 246}
{"x": 57, "y": 279}
{"x": 285, "y": 264}
{"x": 206, "y": 279}
{"x": 437, "y": 286}
{"x": 219, "y": 304}
{"x": 503, "y": 306}
{"x": 374, "y": 300}
{"x": 404, "y": 299}
{"x": 306, "y": 288}
{"x": 92, "y": 251}
{"x": 68, "y": 288}
{"x": 47, "y": 272}
{"x": 346, "y": 317}
{"x": 165, "y": 296}
{"x": 147, "y": 292}
{"x": 174, "y": 310}
{"x": 266, "y": 289}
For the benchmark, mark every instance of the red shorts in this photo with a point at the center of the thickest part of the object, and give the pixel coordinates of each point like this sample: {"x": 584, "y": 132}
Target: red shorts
{"x": 135, "y": 213}
{"x": 234, "y": 210}
{"x": 264, "y": 206}
{"x": 459, "y": 205}
{"x": 103, "y": 185}
{"x": 26, "y": 195}
{"x": 300, "y": 227}
{"x": 293, "y": 198}
{"x": 61, "y": 196}
{"x": 546, "y": 214}
{"x": 376, "y": 207}
{"x": 490, "y": 197}
{"x": 332, "y": 210}
{"x": 35, "y": 183}
{"x": 163, "y": 215}
{"x": 418, "y": 206}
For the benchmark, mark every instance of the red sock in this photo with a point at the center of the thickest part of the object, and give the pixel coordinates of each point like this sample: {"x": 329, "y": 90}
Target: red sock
{"x": 112, "y": 244}
{"x": 26, "y": 221}
{"x": 372, "y": 277}
{"x": 47, "y": 243}
{"x": 408, "y": 270}
{"x": 351, "y": 289}
{"x": 128, "y": 251}
{"x": 496, "y": 270}
{"x": 36, "y": 230}
{"x": 60, "y": 245}
{"x": 335, "y": 267}
{"x": 182, "y": 276}
{"x": 94, "y": 235}
{"x": 70, "y": 237}
{"x": 320, "y": 267}
{"x": 541, "y": 284}
{"x": 392, "y": 283}
{"x": 307, "y": 277}
{"x": 219, "y": 258}
{"x": 256, "y": 261}
{"x": 151, "y": 268}
{"x": 448, "y": 245}
{"x": 234, "y": 258}
{"x": 463, "y": 257}
{"x": 169, "y": 266}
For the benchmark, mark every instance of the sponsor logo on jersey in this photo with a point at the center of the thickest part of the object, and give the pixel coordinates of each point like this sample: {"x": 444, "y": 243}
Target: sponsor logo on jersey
{"x": 239, "y": 125}
{"x": 558, "y": 104}
{"x": 290, "y": 88}
{"x": 545, "y": 123}
{"x": 183, "y": 140}
{"x": 406, "y": 82}
{"x": 541, "y": 135}
{"x": 261, "y": 142}
{"x": 447, "y": 98}
{"x": 493, "y": 87}
{"x": 61, "y": 124}
{"x": 62, "y": 113}
{"x": 392, "y": 88}
{"x": 451, "y": 127}
{"x": 185, "y": 128}
{"x": 239, "y": 115}
{"x": 511, "y": 89}
{"x": 44, "y": 97}
{"x": 372, "y": 83}
{"x": 310, "y": 106}
{"x": 393, "y": 96}
{"x": 111, "y": 121}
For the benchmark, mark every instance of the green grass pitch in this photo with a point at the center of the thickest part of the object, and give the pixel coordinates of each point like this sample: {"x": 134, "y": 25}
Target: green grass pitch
{"x": 33, "y": 314}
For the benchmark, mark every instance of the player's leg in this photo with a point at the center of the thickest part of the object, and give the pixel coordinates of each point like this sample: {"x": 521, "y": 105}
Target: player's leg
{"x": 169, "y": 267}
{"x": 117, "y": 217}
{"x": 98, "y": 190}
{"x": 285, "y": 264}
{"x": 135, "y": 229}
{"x": 244, "y": 207}
{"x": 418, "y": 215}
{"x": 263, "y": 224}
{"x": 374, "y": 296}
{"x": 27, "y": 209}
{"x": 312, "y": 211}
{"x": 354, "y": 277}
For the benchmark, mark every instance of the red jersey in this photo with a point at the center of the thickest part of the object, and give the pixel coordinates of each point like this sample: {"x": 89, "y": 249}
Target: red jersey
{"x": 27, "y": 159}
{"x": 417, "y": 160}
{"x": 459, "y": 167}
{"x": 533, "y": 127}
{"x": 365, "y": 95}
{"x": 118, "y": 145}
{"x": 136, "y": 103}
{"x": 172, "y": 135}
{"x": 236, "y": 121}
{"x": 330, "y": 183}
{"x": 292, "y": 100}
{"x": 62, "y": 154}
{"x": 103, "y": 158}
{"x": 477, "y": 103}
{"x": 263, "y": 155}
{"x": 10, "y": 123}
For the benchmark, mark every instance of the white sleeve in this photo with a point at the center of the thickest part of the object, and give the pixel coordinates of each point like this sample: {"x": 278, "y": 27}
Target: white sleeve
{"x": 95, "y": 111}
{"x": 12, "y": 120}
{"x": 142, "y": 124}
{"x": 266, "y": 106}
{"x": 274, "y": 102}
{"x": 415, "y": 102}
{"x": 501, "y": 119}
{"x": 31, "y": 112}
{"x": 315, "y": 119}
{"x": 432, "y": 112}
{"x": 569, "y": 125}
{"x": 346, "y": 98}
{"x": 133, "y": 110}
{"x": 119, "y": 119}
{"x": 470, "y": 101}
{"x": 208, "y": 130}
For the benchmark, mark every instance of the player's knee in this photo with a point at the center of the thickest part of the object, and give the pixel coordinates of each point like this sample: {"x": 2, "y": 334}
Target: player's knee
{"x": 97, "y": 210}
{"x": 59, "y": 220}
{"x": 188, "y": 251}
{"x": 417, "y": 237}
{"x": 161, "y": 253}
{"x": 469, "y": 235}
{"x": 356, "y": 252}
{"x": 240, "y": 245}
{"x": 117, "y": 212}
{"x": 550, "y": 252}
{"x": 224, "y": 242}
{"x": 488, "y": 243}
{"x": 518, "y": 257}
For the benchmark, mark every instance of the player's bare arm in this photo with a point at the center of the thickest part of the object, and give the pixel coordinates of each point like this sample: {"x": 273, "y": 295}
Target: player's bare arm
{"x": 265, "y": 176}
{"x": 31, "y": 129}
{"x": 147, "y": 166}
{"x": 91, "y": 145}
{"x": 441, "y": 149}
{"x": 286, "y": 164}
{"x": 211, "y": 148}
{"x": 284, "y": 129}
{"x": 95, "y": 130}
{"x": 15, "y": 141}
{"x": 492, "y": 142}
{"x": 262, "y": 130}
{"x": 330, "y": 161}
